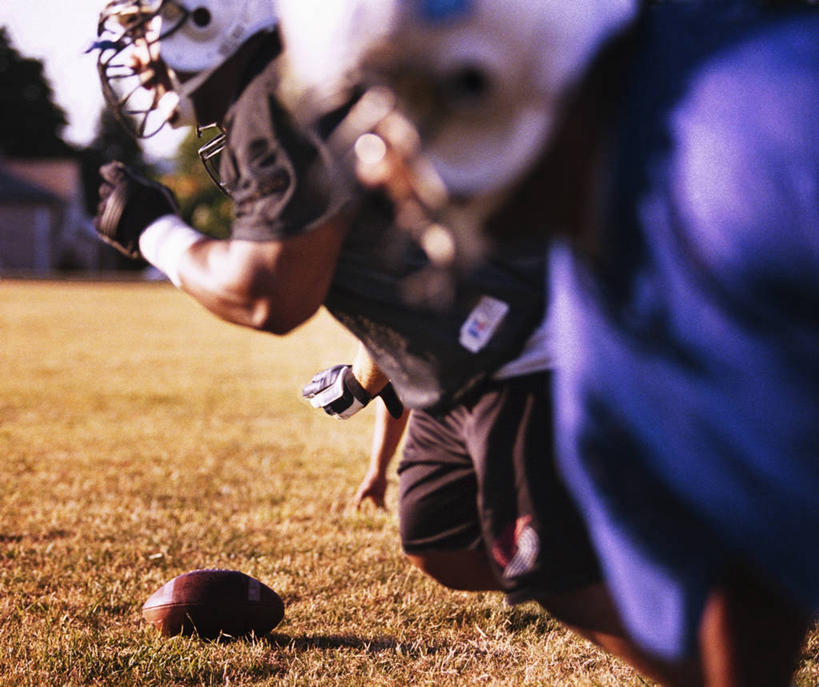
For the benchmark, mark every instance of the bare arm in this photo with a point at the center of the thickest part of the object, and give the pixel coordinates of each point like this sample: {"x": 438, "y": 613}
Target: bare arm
{"x": 368, "y": 374}
{"x": 269, "y": 285}
{"x": 387, "y": 435}
{"x": 387, "y": 431}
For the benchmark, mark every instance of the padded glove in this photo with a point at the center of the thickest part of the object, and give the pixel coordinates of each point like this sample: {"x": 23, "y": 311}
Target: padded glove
{"x": 128, "y": 203}
{"x": 338, "y": 393}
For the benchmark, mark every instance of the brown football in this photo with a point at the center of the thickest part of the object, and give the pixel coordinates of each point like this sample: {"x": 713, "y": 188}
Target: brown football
{"x": 212, "y": 603}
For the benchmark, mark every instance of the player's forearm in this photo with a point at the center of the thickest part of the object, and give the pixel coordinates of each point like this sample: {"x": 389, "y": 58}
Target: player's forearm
{"x": 387, "y": 435}
{"x": 367, "y": 372}
{"x": 211, "y": 273}
{"x": 268, "y": 285}
{"x": 203, "y": 267}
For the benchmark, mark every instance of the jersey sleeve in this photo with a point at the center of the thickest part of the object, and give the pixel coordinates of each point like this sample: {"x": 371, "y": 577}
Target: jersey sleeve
{"x": 278, "y": 173}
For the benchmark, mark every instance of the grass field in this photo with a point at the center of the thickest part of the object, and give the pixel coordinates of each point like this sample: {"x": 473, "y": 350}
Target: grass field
{"x": 141, "y": 437}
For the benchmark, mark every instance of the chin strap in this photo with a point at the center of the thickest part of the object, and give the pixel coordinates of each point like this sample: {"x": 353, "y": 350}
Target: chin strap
{"x": 209, "y": 153}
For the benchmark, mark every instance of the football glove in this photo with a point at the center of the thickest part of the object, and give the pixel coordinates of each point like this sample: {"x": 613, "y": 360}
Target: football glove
{"x": 128, "y": 203}
{"x": 338, "y": 393}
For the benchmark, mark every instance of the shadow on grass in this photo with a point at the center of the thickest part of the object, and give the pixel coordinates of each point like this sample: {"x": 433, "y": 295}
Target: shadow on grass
{"x": 51, "y": 535}
{"x": 535, "y": 619}
{"x": 332, "y": 642}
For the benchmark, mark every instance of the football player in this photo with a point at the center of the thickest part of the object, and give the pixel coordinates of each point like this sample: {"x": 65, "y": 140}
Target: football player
{"x": 460, "y": 339}
{"x": 673, "y": 153}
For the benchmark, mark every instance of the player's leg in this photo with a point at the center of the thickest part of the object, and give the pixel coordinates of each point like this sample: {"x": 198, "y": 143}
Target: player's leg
{"x": 590, "y": 612}
{"x": 538, "y": 543}
{"x": 749, "y": 636}
{"x": 440, "y": 530}
{"x": 466, "y": 570}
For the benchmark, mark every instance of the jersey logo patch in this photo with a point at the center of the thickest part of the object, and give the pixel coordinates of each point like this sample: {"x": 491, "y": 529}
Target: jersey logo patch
{"x": 482, "y": 322}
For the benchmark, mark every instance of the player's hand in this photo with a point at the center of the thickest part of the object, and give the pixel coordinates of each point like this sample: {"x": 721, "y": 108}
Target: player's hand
{"x": 373, "y": 487}
{"x": 338, "y": 393}
{"x": 128, "y": 203}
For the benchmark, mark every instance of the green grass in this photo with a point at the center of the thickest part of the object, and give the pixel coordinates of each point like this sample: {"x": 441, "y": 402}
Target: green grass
{"x": 141, "y": 437}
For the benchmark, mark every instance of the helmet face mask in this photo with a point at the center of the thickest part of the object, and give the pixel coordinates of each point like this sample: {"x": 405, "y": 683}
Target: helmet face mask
{"x": 135, "y": 79}
{"x": 155, "y": 54}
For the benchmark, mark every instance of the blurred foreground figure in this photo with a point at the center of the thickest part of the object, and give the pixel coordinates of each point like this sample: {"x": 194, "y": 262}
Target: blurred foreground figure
{"x": 673, "y": 151}
{"x": 446, "y": 105}
{"x": 689, "y": 398}
{"x": 460, "y": 342}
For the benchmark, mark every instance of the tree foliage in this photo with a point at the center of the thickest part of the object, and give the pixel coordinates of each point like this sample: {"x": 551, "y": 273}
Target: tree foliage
{"x": 202, "y": 204}
{"x": 111, "y": 142}
{"x": 31, "y": 122}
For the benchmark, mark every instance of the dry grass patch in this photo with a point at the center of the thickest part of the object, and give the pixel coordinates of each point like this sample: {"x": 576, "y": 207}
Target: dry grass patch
{"x": 142, "y": 437}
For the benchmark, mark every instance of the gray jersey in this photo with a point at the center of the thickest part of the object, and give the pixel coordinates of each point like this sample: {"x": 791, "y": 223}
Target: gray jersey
{"x": 434, "y": 356}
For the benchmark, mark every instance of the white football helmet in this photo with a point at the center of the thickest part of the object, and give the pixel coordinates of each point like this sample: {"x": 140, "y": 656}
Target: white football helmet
{"x": 480, "y": 81}
{"x": 154, "y": 54}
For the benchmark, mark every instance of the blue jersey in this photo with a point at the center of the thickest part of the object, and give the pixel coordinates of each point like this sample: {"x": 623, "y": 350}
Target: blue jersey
{"x": 688, "y": 383}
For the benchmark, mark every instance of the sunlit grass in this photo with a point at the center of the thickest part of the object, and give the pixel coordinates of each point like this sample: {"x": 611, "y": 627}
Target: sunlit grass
{"x": 141, "y": 437}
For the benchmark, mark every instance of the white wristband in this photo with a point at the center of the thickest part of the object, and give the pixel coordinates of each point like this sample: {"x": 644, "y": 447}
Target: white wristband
{"x": 164, "y": 243}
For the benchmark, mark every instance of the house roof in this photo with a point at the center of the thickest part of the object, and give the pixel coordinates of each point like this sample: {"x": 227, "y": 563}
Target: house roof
{"x": 60, "y": 176}
{"x": 13, "y": 188}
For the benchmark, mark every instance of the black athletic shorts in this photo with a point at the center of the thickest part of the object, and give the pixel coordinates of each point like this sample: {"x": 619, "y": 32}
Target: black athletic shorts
{"x": 483, "y": 475}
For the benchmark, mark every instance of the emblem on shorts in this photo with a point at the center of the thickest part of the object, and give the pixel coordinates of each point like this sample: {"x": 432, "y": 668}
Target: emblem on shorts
{"x": 517, "y": 549}
{"x": 482, "y": 322}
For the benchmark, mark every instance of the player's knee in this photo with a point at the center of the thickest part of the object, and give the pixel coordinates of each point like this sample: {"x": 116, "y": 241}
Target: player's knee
{"x": 431, "y": 565}
{"x": 459, "y": 570}
{"x": 589, "y": 607}
{"x": 426, "y": 564}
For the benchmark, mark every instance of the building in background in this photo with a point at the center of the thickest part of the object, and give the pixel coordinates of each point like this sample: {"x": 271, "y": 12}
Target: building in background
{"x": 43, "y": 225}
